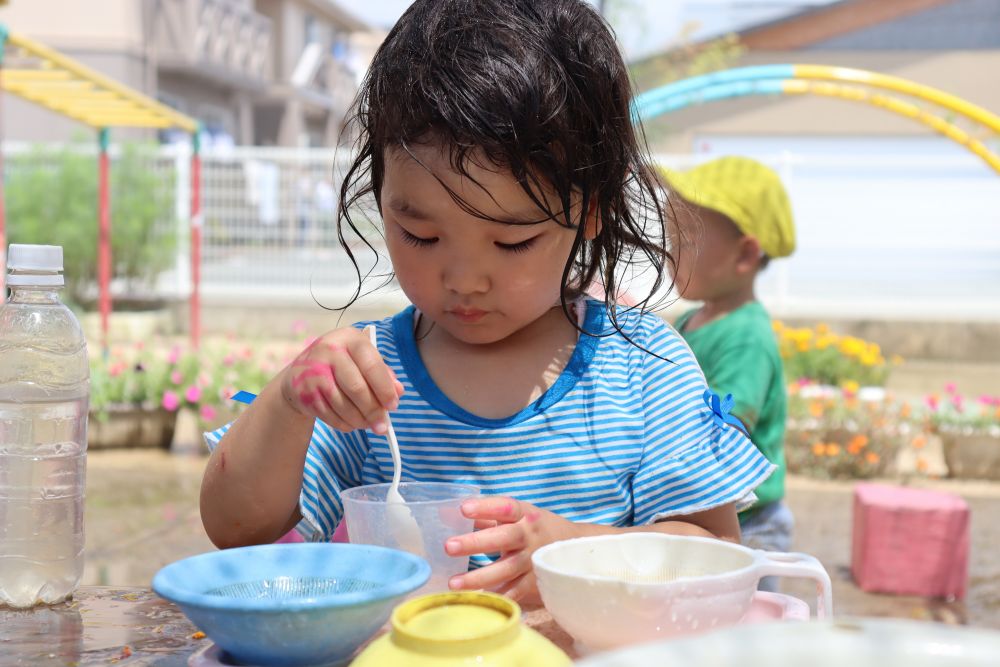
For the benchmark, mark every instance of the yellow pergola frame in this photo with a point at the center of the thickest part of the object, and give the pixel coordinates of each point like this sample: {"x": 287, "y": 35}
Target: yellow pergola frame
{"x": 59, "y": 83}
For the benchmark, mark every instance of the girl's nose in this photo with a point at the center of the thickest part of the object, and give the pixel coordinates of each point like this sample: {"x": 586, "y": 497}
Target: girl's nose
{"x": 466, "y": 276}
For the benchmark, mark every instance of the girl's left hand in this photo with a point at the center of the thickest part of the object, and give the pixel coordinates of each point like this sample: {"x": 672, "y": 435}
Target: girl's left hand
{"x": 516, "y": 530}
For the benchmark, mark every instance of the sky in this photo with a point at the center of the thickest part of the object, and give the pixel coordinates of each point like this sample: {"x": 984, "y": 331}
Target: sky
{"x": 643, "y": 26}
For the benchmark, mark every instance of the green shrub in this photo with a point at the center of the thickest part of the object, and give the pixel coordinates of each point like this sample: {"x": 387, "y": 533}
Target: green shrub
{"x": 51, "y": 197}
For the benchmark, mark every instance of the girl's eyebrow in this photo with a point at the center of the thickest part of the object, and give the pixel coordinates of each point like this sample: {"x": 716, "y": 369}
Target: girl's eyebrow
{"x": 404, "y": 207}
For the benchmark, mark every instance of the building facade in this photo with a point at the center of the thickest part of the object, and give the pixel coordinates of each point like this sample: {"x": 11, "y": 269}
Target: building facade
{"x": 254, "y": 72}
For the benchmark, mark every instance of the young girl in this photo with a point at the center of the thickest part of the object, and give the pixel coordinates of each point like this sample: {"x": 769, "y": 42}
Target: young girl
{"x": 495, "y": 138}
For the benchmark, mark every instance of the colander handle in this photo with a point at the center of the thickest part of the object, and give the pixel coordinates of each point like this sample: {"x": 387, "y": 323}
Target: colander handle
{"x": 781, "y": 564}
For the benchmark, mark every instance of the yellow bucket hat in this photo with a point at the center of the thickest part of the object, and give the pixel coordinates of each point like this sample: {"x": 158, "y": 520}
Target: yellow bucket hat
{"x": 746, "y": 192}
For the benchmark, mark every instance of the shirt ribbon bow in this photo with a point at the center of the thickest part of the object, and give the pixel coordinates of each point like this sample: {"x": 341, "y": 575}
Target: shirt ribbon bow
{"x": 720, "y": 409}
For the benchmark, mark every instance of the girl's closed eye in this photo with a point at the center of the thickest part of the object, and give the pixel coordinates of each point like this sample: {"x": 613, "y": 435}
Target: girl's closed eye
{"x": 519, "y": 247}
{"x": 416, "y": 241}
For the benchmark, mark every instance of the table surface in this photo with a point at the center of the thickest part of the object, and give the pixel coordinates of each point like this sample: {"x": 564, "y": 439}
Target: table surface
{"x": 133, "y": 626}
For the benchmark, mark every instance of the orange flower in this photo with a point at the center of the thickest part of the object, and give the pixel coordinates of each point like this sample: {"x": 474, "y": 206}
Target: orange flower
{"x": 919, "y": 442}
{"x": 816, "y": 409}
{"x": 872, "y": 458}
{"x": 921, "y": 464}
{"x": 860, "y": 441}
{"x": 904, "y": 411}
{"x": 832, "y": 449}
{"x": 818, "y": 449}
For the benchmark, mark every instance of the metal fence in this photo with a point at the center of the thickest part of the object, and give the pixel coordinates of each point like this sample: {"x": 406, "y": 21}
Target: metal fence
{"x": 879, "y": 236}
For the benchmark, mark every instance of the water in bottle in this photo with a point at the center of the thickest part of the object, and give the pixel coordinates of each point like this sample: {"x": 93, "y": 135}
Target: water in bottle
{"x": 44, "y": 392}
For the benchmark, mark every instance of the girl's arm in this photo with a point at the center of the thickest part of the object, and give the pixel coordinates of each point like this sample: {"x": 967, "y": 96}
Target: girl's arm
{"x": 720, "y": 522}
{"x": 250, "y": 491}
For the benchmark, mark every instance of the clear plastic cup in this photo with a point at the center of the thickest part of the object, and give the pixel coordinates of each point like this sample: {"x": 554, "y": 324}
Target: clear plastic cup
{"x": 436, "y": 507}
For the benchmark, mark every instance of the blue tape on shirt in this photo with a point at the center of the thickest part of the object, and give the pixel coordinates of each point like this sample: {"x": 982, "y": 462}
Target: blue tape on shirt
{"x": 244, "y": 397}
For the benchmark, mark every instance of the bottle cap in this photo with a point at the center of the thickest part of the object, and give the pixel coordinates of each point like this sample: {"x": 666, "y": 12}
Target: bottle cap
{"x": 34, "y": 265}
{"x": 40, "y": 258}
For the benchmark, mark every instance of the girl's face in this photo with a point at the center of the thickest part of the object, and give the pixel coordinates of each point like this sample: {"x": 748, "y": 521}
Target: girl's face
{"x": 478, "y": 279}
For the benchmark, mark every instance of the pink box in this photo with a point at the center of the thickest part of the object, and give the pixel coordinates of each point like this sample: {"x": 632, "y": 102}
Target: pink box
{"x": 910, "y": 541}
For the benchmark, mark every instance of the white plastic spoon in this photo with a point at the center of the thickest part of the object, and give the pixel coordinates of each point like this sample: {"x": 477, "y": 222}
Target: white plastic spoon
{"x": 401, "y": 522}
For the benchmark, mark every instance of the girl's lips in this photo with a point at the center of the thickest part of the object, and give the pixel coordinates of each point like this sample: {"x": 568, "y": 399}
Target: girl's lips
{"x": 468, "y": 315}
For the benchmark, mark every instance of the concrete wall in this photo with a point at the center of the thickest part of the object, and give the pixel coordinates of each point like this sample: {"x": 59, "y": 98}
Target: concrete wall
{"x": 108, "y": 24}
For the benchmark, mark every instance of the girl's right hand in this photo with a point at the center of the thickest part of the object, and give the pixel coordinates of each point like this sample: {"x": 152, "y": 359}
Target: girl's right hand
{"x": 342, "y": 380}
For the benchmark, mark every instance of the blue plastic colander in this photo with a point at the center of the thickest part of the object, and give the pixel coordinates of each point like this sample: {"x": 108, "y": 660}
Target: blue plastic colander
{"x": 291, "y": 604}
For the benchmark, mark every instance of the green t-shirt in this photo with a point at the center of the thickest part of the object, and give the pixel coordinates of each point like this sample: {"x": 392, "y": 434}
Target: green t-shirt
{"x": 739, "y": 354}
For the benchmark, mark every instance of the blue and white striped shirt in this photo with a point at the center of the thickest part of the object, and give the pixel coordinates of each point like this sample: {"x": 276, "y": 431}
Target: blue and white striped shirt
{"x": 622, "y": 438}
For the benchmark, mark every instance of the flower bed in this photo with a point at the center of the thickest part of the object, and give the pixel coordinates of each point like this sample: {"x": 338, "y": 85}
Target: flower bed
{"x": 970, "y": 431}
{"x": 138, "y": 390}
{"x": 842, "y": 423}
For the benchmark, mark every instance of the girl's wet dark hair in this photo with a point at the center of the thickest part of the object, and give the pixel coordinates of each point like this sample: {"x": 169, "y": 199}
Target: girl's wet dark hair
{"x": 536, "y": 87}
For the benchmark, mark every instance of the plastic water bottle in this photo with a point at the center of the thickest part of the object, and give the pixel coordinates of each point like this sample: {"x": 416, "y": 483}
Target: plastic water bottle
{"x": 44, "y": 396}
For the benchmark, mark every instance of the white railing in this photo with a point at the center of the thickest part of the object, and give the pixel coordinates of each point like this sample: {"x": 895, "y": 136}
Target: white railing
{"x": 878, "y": 237}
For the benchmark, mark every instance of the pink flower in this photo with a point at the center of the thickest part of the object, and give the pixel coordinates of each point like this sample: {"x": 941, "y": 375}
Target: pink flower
{"x": 193, "y": 394}
{"x": 207, "y": 413}
{"x": 174, "y": 355}
{"x": 803, "y": 382}
{"x": 247, "y": 352}
{"x": 228, "y": 360}
{"x": 116, "y": 369}
{"x": 139, "y": 345}
{"x": 170, "y": 401}
{"x": 956, "y": 400}
{"x": 932, "y": 401}
{"x": 176, "y": 377}
{"x": 950, "y": 388}
{"x": 298, "y": 327}
{"x": 986, "y": 400}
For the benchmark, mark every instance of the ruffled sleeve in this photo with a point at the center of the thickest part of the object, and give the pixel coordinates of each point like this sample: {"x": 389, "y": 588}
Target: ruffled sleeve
{"x": 693, "y": 460}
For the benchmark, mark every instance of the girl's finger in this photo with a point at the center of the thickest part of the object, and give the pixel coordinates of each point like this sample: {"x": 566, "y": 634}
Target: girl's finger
{"x": 522, "y": 588}
{"x": 341, "y": 407}
{"x": 376, "y": 373}
{"x": 496, "y": 508}
{"x": 508, "y": 568}
{"x": 501, "y": 539}
{"x": 354, "y": 388}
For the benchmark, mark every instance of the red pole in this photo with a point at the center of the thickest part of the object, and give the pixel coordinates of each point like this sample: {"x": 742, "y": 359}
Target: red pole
{"x": 196, "y": 239}
{"x": 104, "y": 238}
{"x": 3, "y": 208}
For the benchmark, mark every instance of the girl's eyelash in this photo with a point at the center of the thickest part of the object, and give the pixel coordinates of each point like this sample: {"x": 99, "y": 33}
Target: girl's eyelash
{"x": 523, "y": 246}
{"x": 420, "y": 242}
{"x": 415, "y": 241}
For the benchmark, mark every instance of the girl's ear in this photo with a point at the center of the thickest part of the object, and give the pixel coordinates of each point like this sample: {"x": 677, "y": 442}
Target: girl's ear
{"x": 749, "y": 256}
{"x": 592, "y": 226}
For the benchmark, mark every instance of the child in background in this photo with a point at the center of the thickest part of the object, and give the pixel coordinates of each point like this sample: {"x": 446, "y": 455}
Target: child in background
{"x": 736, "y": 218}
{"x": 494, "y": 137}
